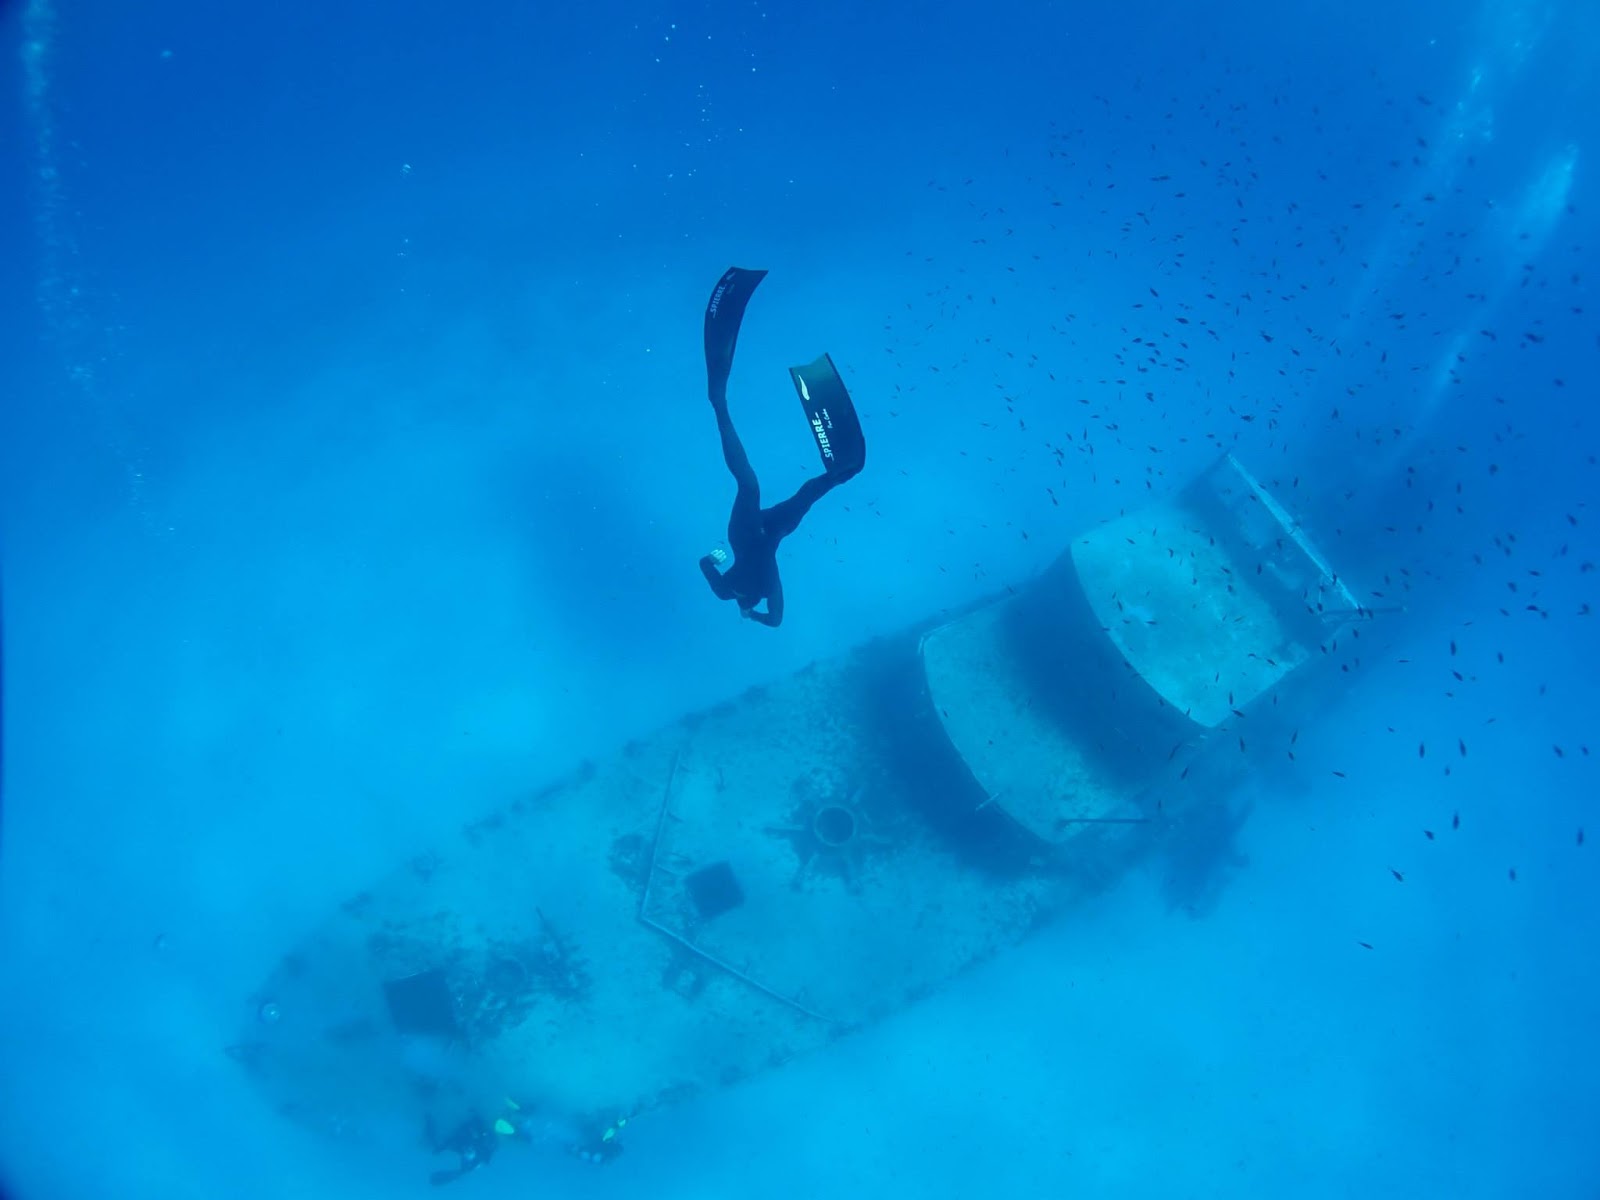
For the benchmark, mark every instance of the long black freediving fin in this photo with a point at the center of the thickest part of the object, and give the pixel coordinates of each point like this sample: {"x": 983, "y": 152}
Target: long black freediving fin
{"x": 724, "y": 313}
{"x": 832, "y": 416}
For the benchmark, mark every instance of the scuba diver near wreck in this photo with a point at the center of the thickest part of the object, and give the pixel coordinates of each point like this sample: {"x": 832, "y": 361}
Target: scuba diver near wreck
{"x": 473, "y": 1142}
{"x": 754, "y": 532}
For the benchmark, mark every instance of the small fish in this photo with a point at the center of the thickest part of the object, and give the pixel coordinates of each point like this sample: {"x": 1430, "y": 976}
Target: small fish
{"x": 1398, "y": 878}
{"x": 1365, "y": 945}
{"x": 1455, "y": 820}
{"x": 1428, "y": 833}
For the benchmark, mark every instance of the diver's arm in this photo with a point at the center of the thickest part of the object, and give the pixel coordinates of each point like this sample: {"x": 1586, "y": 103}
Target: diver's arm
{"x": 773, "y": 617}
{"x": 708, "y": 568}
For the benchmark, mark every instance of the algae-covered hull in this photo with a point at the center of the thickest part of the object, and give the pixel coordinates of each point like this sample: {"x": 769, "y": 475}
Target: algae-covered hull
{"x": 750, "y": 882}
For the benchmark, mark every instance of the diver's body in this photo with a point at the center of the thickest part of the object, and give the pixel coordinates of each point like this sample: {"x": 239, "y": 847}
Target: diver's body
{"x": 473, "y": 1142}
{"x": 755, "y": 532}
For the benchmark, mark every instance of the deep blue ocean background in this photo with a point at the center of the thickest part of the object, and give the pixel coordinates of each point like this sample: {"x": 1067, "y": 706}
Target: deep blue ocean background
{"x": 356, "y": 461}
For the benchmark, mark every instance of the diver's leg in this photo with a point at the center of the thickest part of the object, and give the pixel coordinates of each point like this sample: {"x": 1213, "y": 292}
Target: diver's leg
{"x": 781, "y": 520}
{"x": 733, "y": 454}
{"x": 724, "y": 315}
{"x": 744, "y": 522}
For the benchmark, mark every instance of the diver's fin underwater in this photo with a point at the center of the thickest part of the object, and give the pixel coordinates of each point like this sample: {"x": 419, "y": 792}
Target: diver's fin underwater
{"x": 832, "y": 416}
{"x": 724, "y": 313}
{"x": 829, "y": 413}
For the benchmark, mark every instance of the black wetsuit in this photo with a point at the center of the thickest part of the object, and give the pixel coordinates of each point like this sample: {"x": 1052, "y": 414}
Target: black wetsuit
{"x": 754, "y": 532}
{"x": 473, "y": 1141}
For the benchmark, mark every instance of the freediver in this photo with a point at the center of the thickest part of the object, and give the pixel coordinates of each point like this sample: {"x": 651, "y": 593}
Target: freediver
{"x": 754, "y": 532}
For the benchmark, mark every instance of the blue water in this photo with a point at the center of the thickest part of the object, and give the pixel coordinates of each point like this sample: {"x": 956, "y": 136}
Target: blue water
{"x": 356, "y": 463}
